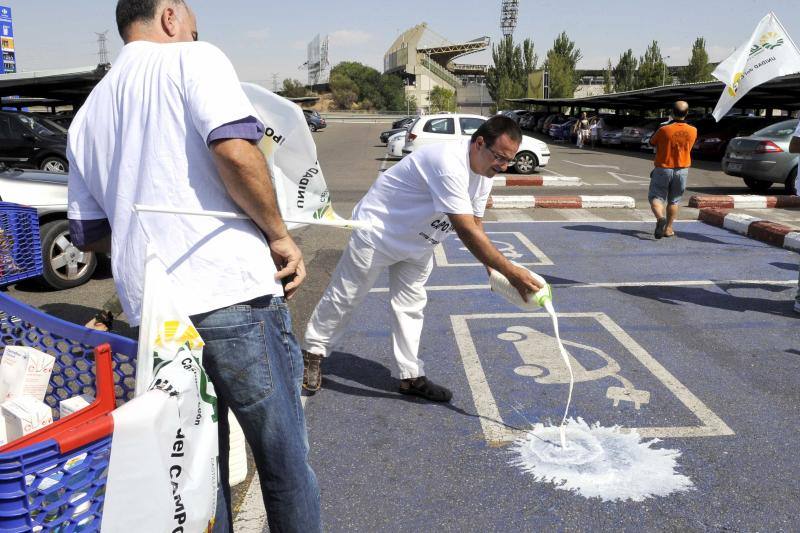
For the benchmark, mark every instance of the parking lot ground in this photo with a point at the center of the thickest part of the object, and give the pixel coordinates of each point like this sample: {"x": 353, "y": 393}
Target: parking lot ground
{"x": 698, "y": 331}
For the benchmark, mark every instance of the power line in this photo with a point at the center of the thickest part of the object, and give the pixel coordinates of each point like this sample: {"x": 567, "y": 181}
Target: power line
{"x": 102, "y": 52}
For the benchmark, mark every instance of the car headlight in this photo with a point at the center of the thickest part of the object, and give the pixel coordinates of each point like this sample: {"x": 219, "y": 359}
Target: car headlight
{"x": 712, "y": 140}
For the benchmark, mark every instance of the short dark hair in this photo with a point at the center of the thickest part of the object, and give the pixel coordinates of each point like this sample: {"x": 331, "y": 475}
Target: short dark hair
{"x": 679, "y": 113}
{"x": 495, "y": 127}
{"x": 130, "y": 11}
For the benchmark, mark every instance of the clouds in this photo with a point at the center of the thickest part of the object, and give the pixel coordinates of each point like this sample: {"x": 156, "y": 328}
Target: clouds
{"x": 349, "y": 38}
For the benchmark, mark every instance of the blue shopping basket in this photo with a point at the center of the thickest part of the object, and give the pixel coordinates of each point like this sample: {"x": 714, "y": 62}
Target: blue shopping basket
{"x": 20, "y": 246}
{"x": 54, "y": 479}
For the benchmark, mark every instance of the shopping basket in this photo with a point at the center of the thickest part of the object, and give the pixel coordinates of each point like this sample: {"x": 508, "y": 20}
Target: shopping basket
{"x": 54, "y": 479}
{"x": 20, "y": 247}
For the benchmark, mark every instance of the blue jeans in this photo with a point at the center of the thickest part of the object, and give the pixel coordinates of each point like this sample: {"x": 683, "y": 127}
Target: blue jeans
{"x": 256, "y": 367}
{"x": 667, "y": 184}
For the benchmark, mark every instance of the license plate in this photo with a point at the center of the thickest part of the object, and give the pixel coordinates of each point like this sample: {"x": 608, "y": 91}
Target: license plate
{"x": 734, "y": 166}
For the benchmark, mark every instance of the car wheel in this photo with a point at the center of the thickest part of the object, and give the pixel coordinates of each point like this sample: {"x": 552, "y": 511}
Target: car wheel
{"x": 757, "y": 185}
{"x": 312, "y": 127}
{"x": 53, "y": 164}
{"x": 791, "y": 182}
{"x": 525, "y": 163}
{"x": 64, "y": 265}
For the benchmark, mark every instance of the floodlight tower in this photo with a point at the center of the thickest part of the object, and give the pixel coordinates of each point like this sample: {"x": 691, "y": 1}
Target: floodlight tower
{"x": 509, "y": 10}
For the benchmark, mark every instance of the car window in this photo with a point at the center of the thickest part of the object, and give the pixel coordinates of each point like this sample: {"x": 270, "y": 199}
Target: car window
{"x": 781, "y": 129}
{"x": 470, "y": 125}
{"x": 5, "y": 127}
{"x": 441, "y": 126}
{"x": 40, "y": 127}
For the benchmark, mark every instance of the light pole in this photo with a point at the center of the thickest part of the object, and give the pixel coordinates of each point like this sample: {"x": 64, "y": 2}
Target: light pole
{"x": 664, "y": 75}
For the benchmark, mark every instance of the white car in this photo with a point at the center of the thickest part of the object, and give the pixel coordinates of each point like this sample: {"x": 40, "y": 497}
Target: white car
{"x": 64, "y": 265}
{"x": 450, "y": 127}
{"x": 394, "y": 146}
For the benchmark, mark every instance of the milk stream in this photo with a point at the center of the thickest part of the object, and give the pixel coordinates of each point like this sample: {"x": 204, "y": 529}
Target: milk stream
{"x": 548, "y": 306}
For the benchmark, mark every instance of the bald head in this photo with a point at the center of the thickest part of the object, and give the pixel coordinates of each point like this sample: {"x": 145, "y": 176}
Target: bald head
{"x": 680, "y": 109}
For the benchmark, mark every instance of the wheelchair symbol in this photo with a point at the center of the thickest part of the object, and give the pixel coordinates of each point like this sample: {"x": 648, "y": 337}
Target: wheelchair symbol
{"x": 506, "y": 248}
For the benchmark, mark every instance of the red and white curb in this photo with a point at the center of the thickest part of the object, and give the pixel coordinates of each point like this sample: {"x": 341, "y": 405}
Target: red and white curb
{"x": 753, "y": 227}
{"x": 743, "y": 201}
{"x": 536, "y": 181}
{"x": 560, "y": 202}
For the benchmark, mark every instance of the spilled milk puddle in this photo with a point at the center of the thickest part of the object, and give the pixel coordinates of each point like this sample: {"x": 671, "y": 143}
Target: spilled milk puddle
{"x": 599, "y": 462}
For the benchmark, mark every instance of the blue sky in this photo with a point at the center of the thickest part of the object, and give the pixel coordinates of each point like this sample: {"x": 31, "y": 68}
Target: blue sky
{"x": 267, "y": 37}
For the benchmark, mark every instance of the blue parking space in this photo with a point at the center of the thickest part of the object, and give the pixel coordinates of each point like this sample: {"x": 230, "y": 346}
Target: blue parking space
{"x": 711, "y": 369}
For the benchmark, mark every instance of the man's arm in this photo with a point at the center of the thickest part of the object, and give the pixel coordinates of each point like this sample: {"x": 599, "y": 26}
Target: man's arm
{"x": 243, "y": 170}
{"x": 470, "y": 230}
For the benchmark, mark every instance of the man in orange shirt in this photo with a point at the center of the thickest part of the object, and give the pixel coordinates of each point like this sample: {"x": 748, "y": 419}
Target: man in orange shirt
{"x": 673, "y": 144}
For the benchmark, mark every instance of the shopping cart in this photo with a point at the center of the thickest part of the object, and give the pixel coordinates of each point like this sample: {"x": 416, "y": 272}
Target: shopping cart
{"x": 54, "y": 479}
{"x": 20, "y": 247}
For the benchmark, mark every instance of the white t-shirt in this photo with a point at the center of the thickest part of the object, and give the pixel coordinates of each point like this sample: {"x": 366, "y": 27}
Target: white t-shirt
{"x": 141, "y": 138}
{"x": 408, "y": 204}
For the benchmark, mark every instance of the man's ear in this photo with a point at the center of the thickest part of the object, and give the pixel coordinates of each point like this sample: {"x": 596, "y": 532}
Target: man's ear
{"x": 169, "y": 21}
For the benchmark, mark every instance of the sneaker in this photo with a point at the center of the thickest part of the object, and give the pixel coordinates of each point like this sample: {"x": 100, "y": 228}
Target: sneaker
{"x": 312, "y": 371}
{"x": 425, "y": 388}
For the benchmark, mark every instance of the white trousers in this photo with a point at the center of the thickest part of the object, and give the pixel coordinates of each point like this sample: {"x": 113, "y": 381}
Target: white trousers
{"x": 355, "y": 275}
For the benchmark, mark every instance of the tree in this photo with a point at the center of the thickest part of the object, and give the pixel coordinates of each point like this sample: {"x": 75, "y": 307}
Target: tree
{"x": 561, "y": 61}
{"x": 625, "y": 72}
{"x": 652, "y": 69}
{"x": 698, "y": 68}
{"x": 344, "y": 91}
{"x": 608, "y": 86}
{"x": 512, "y": 65}
{"x": 442, "y": 99}
{"x": 294, "y": 89}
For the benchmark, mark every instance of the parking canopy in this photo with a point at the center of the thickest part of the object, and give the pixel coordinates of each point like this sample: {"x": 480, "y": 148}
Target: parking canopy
{"x": 780, "y": 93}
{"x": 68, "y": 86}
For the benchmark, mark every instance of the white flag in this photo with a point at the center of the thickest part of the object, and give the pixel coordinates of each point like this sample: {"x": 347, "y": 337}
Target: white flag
{"x": 768, "y": 54}
{"x": 292, "y": 158}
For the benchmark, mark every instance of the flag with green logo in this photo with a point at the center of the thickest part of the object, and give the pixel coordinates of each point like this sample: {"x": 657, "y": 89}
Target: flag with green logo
{"x": 769, "y": 53}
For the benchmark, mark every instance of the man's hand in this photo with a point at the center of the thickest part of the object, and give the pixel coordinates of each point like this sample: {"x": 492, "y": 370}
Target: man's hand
{"x": 289, "y": 261}
{"x": 522, "y": 280}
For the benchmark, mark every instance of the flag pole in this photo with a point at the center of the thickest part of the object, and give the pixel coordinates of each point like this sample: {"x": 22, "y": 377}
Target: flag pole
{"x": 347, "y": 224}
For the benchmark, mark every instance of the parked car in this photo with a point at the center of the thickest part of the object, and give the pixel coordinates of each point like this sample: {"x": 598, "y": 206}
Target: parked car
{"x": 563, "y": 130}
{"x": 314, "y": 120}
{"x": 713, "y": 142}
{"x": 432, "y": 129}
{"x": 529, "y": 121}
{"x": 515, "y": 114}
{"x": 30, "y": 141}
{"x": 632, "y": 136}
{"x": 609, "y": 128}
{"x": 385, "y": 135}
{"x": 64, "y": 265}
{"x": 763, "y": 158}
{"x": 403, "y": 122}
{"x": 395, "y": 144}
{"x": 556, "y": 117}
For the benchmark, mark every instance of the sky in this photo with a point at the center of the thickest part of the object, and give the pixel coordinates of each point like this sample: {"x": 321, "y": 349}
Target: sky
{"x": 269, "y": 37}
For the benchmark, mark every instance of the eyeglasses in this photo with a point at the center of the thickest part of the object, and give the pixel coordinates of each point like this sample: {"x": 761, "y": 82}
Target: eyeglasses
{"x": 503, "y": 160}
{"x": 194, "y": 36}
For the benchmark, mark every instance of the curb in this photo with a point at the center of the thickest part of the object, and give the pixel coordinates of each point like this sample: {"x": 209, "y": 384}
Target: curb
{"x": 743, "y": 201}
{"x": 536, "y": 181}
{"x": 560, "y": 202}
{"x": 753, "y": 227}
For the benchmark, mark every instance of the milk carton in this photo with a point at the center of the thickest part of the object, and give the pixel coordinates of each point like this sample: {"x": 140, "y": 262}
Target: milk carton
{"x": 24, "y": 371}
{"x": 74, "y": 404}
{"x": 25, "y": 415}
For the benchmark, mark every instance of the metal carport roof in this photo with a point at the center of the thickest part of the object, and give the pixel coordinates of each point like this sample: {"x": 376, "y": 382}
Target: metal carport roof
{"x": 780, "y": 93}
{"x": 70, "y": 86}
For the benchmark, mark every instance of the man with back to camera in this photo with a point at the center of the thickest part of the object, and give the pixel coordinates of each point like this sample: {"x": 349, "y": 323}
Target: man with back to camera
{"x": 673, "y": 144}
{"x": 170, "y": 125}
{"x": 794, "y": 147}
{"x": 411, "y": 208}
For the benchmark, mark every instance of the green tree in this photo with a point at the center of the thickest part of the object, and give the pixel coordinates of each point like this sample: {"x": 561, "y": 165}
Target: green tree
{"x": 511, "y": 66}
{"x": 393, "y": 92}
{"x": 442, "y": 99}
{"x": 294, "y": 89}
{"x": 652, "y": 69}
{"x": 344, "y": 91}
{"x": 608, "y": 82}
{"x": 625, "y": 72}
{"x": 562, "y": 59}
{"x": 698, "y": 68}
{"x": 367, "y": 81}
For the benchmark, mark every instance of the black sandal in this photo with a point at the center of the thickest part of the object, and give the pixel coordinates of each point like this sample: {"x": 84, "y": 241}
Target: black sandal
{"x": 106, "y": 318}
{"x": 424, "y": 388}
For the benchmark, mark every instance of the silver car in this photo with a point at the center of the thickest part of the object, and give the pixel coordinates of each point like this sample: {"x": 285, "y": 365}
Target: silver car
{"x": 763, "y": 158}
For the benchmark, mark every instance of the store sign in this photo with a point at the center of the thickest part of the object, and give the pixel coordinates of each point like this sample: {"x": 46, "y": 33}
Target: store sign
{"x": 9, "y": 64}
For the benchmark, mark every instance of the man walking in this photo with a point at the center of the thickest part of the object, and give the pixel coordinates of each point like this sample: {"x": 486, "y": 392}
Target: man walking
{"x": 794, "y": 147}
{"x": 673, "y": 144}
{"x": 170, "y": 125}
{"x": 411, "y": 208}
